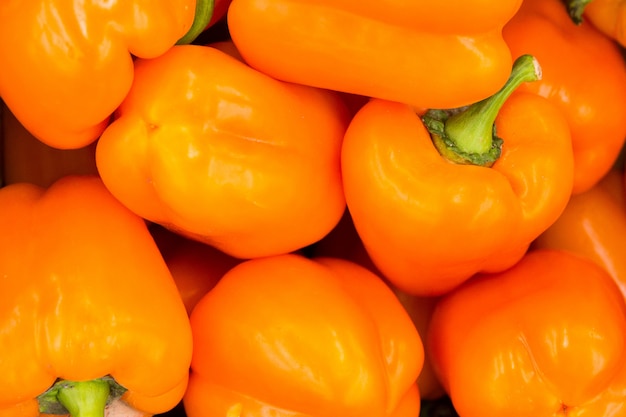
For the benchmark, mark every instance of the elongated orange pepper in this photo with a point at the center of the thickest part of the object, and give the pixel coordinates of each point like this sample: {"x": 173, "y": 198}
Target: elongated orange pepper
{"x": 287, "y": 335}
{"x": 27, "y": 159}
{"x": 88, "y": 303}
{"x": 584, "y": 74}
{"x": 609, "y": 16}
{"x": 67, "y": 65}
{"x": 594, "y": 225}
{"x": 429, "y": 220}
{"x": 423, "y": 53}
{"x": 546, "y": 337}
{"x": 226, "y": 155}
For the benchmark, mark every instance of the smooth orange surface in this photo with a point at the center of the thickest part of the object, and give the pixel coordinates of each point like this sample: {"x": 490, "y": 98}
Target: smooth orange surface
{"x": 67, "y": 65}
{"x": 429, "y": 54}
{"x": 291, "y": 336}
{"x": 226, "y": 155}
{"x": 584, "y": 74}
{"x": 594, "y": 225}
{"x": 85, "y": 293}
{"x": 609, "y": 16}
{"x": 544, "y": 338}
{"x": 27, "y": 159}
{"x": 429, "y": 224}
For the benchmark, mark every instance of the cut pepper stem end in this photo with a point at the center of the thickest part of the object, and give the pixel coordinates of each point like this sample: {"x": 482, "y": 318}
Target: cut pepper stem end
{"x": 80, "y": 398}
{"x": 468, "y": 135}
{"x": 575, "y": 9}
{"x": 202, "y": 17}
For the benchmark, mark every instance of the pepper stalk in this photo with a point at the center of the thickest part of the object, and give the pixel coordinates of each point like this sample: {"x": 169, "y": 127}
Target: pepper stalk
{"x": 202, "y": 17}
{"x": 467, "y": 135}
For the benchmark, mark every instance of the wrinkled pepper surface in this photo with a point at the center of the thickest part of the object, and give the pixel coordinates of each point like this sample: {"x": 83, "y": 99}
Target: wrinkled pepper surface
{"x": 287, "y": 335}
{"x": 87, "y": 303}
{"x": 437, "y": 200}
{"x": 594, "y": 225}
{"x": 67, "y": 65}
{"x": 221, "y": 153}
{"x": 546, "y": 337}
{"x": 424, "y": 53}
{"x": 584, "y": 74}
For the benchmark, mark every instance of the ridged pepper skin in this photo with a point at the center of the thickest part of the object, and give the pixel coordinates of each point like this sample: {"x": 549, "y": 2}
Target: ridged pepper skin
{"x": 546, "y": 337}
{"x": 584, "y": 74}
{"x": 429, "y": 224}
{"x": 67, "y": 65}
{"x": 292, "y": 336}
{"x": 439, "y": 54}
{"x": 594, "y": 225}
{"x": 85, "y": 294}
{"x": 221, "y": 153}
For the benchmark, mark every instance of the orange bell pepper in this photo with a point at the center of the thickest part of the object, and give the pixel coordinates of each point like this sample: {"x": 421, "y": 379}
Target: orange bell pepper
{"x": 609, "y": 16}
{"x": 88, "y": 309}
{"x": 424, "y": 53}
{"x": 66, "y": 65}
{"x": 26, "y": 159}
{"x": 343, "y": 242}
{"x": 226, "y": 155}
{"x": 429, "y": 220}
{"x": 584, "y": 74}
{"x": 594, "y": 225}
{"x": 546, "y": 337}
{"x": 195, "y": 267}
{"x": 287, "y": 335}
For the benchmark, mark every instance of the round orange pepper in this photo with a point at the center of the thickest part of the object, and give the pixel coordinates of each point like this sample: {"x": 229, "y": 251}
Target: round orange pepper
{"x": 292, "y": 336}
{"x": 546, "y": 337}
{"x": 85, "y": 295}
{"x": 67, "y": 65}
{"x": 584, "y": 74}
{"x": 429, "y": 224}
{"x": 594, "y": 225}
{"x": 226, "y": 155}
{"x": 423, "y": 53}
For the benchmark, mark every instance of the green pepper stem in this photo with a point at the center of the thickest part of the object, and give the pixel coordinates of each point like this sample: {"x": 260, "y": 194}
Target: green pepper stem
{"x": 467, "y": 135}
{"x": 80, "y": 398}
{"x": 202, "y": 17}
{"x": 576, "y": 8}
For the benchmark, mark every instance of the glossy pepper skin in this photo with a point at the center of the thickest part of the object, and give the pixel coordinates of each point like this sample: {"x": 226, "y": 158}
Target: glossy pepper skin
{"x": 594, "y": 225}
{"x": 85, "y": 294}
{"x": 226, "y": 155}
{"x": 66, "y": 65}
{"x": 287, "y": 335}
{"x": 429, "y": 224}
{"x": 584, "y": 74}
{"x": 428, "y": 54}
{"x": 547, "y": 337}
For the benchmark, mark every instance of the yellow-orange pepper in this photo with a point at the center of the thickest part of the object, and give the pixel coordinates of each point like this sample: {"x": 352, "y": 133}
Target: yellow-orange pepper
{"x": 67, "y": 65}
{"x": 87, "y": 302}
{"x": 432, "y": 54}
{"x": 221, "y": 153}
{"x": 546, "y": 337}
{"x": 287, "y": 335}
{"x": 609, "y": 16}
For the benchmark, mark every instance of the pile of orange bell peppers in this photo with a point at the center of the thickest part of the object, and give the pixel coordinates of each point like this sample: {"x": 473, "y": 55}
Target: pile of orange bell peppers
{"x": 297, "y": 208}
